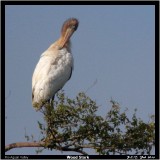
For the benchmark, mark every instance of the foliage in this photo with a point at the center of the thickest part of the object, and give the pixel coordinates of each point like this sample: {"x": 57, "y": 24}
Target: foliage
{"x": 74, "y": 125}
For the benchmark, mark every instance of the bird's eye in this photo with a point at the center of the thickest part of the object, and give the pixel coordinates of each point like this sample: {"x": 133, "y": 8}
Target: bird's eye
{"x": 74, "y": 27}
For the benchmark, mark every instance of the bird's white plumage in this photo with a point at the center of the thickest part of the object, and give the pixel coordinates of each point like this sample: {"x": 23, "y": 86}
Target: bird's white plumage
{"x": 51, "y": 73}
{"x": 55, "y": 66}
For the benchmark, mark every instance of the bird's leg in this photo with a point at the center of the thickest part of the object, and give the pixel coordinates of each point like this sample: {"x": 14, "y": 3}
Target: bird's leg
{"x": 51, "y": 101}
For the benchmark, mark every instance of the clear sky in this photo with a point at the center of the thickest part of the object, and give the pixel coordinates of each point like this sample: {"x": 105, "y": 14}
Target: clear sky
{"x": 113, "y": 48}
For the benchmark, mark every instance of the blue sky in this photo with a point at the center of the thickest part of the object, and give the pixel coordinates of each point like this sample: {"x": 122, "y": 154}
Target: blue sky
{"x": 114, "y": 47}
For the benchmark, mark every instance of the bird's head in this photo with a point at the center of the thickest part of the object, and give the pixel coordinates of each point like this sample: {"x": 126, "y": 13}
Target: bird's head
{"x": 67, "y": 30}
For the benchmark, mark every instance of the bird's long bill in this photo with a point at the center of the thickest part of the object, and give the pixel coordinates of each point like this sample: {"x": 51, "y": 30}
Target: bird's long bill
{"x": 66, "y": 37}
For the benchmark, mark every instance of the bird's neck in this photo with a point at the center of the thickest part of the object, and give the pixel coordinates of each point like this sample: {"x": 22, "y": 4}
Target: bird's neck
{"x": 57, "y": 45}
{"x": 67, "y": 45}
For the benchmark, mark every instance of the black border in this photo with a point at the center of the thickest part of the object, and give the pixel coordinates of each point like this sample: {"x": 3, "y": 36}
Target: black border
{"x": 4, "y": 3}
{"x": 80, "y": 2}
{"x": 157, "y": 80}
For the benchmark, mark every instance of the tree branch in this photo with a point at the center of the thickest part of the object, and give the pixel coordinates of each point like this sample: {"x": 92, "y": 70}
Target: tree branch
{"x": 24, "y": 144}
{"x": 40, "y": 144}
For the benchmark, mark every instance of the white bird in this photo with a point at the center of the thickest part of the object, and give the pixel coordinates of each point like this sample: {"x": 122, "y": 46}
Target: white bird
{"x": 54, "y": 68}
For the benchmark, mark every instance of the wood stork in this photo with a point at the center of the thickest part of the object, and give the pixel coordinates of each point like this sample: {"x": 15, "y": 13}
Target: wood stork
{"x": 54, "y": 68}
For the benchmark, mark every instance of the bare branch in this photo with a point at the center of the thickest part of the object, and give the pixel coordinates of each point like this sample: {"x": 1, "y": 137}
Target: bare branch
{"x": 24, "y": 144}
{"x": 41, "y": 144}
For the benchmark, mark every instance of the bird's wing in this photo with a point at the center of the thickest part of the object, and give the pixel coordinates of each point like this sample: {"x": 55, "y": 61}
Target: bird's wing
{"x": 40, "y": 77}
{"x": 50, "y": 75}
{"x": 70, "y": 73}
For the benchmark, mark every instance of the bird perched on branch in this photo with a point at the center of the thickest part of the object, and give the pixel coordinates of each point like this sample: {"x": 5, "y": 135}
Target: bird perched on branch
{"x": 54, "y": 68}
